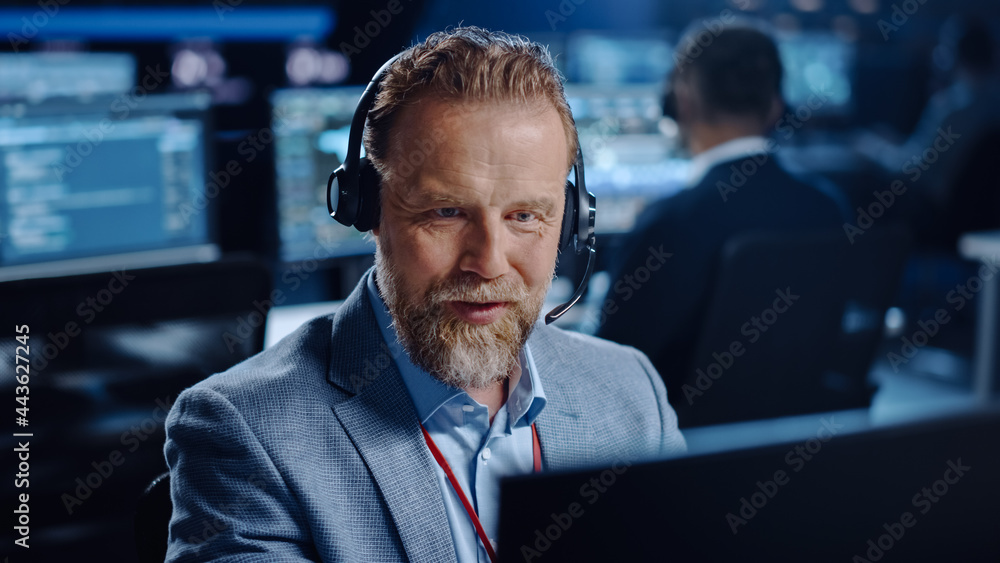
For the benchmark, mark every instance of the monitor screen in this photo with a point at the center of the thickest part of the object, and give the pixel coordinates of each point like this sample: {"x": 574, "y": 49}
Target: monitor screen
{"x": 604, "y": 58}
{"x": 84, "y": 184}
{"x": 39, "y": 76}
{"x": 628, "y": 162}
{"x": 311, "y": 129}
{"x": 818, "y": 71}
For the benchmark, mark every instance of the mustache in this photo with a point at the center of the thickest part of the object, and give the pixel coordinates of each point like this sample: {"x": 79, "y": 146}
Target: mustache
{"x": 476, "y": 289}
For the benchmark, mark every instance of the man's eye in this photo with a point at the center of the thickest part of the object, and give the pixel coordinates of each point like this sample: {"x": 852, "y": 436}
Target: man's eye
{"x": 524, "y": 216}
{"x": 446, "y": 212}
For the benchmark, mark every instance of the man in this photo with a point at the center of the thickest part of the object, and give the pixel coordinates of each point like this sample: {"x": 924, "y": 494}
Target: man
{"x": 726, "y": 93}
{"x": 952, "y": 189}
{"x": 320, "y": 448}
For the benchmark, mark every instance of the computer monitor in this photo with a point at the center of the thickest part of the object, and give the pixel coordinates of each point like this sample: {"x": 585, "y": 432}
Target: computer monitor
{"x": 916, "y": 492}
{"x": 94, "y": 186}
{"x": 40, "y": 76}
{"x": 819, "y": 69}
{"x": 618, "y": 59}
{"x": 311, "y": 129}
{"x": 628, "y": 161}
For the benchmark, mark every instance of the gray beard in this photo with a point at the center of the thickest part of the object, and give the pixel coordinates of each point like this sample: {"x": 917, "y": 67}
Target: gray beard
{"x": 456, "y": 352}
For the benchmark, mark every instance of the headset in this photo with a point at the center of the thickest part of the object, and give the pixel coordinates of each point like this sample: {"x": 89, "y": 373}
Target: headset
{"x": 352, "y": 194}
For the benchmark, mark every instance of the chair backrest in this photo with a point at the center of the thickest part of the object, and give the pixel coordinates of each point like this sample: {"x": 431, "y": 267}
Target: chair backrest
{"x": 152, "y": 520}
{"x": 870, "y": 278}
{"x": 792, "y": 325}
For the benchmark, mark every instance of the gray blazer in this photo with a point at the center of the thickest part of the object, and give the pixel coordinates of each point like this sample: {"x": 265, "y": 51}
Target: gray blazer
{"x": 311, "y": 450}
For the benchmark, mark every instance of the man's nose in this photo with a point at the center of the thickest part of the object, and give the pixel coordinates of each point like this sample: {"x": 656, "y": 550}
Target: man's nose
{"x": 485, "y": 249}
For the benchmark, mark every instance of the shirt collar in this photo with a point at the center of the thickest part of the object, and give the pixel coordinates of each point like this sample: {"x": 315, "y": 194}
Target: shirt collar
{"x": 730, "y": 150}
{"x": 525, "y": 398}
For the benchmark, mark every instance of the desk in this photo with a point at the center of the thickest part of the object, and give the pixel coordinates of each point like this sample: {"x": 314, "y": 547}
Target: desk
{"x": 283, "y": 320}
{"x": 985, "y": 247}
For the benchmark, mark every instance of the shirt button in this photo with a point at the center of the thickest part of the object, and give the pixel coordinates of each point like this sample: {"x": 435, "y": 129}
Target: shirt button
{"x": 468, "y": 408}
{"x": 487, "y": 453}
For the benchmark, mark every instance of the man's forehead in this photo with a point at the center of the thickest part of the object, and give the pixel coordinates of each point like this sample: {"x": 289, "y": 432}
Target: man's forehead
{"x": 470, "y": 143}
{"x": 437, "y": 194}
{"x": 428, "y": 116}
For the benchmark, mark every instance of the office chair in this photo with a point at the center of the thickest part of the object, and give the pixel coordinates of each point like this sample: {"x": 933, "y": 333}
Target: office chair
{"x": 874, "y": 266}
{"x": 792, "y": 326}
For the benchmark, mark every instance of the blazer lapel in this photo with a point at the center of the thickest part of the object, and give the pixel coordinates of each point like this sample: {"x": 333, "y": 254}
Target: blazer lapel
{"x": 383, "y": 425}
{"x": 564, "y": 432}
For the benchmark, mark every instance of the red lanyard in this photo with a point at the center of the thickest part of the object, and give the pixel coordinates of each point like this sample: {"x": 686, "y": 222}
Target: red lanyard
{"x": 536, "y": 451}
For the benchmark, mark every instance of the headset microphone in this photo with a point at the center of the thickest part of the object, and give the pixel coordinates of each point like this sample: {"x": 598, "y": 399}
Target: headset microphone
{"x": 352, "y": 194}
{"x": 583, "y": 231}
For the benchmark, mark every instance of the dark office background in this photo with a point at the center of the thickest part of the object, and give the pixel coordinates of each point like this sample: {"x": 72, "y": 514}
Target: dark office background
{"x": 134, "y": 285}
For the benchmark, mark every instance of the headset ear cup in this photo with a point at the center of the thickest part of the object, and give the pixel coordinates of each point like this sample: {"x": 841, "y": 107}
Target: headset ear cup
{"x": 369, "y": 188}
{"x": 339, "y": 190}
{"x": 569, "y": 218}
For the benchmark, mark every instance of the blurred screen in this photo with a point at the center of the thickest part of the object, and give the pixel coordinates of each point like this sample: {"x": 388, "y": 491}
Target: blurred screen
{"x": 311, "y": 130}
{"x": 628, "y": 162}
{"x": 608, "y": 59}
{"x": 818, "y": 71}
{"x": 39, "y": 76}
{"x": 84, "y": 181}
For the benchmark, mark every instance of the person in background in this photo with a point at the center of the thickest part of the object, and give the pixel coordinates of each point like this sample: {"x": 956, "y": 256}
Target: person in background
{"x": 949, "y": 138}
{"x": 725, "y": 92}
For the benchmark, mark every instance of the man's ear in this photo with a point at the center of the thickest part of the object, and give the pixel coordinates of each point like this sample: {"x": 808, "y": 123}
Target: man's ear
{"x": 688, "y": 107}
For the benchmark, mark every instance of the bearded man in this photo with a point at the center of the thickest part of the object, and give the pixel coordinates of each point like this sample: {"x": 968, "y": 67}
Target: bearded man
{"x": 380, "y": 433}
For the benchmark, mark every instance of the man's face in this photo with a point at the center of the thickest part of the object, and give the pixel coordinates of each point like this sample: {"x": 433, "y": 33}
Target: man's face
{"x": 469, "y": 232}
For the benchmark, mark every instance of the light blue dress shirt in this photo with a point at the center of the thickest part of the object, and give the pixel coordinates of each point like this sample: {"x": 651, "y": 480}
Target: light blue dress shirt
{"x": 479, "y": 453}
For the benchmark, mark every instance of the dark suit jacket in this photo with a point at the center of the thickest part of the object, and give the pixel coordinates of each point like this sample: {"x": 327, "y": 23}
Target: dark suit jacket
{"x": 662, "y": 316}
